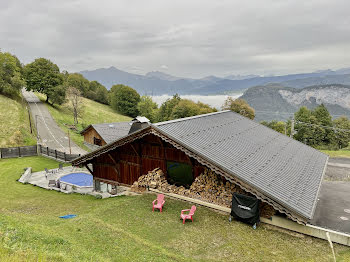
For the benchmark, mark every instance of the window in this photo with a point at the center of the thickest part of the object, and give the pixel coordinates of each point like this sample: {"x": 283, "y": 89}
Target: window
{"x": 97, "y": 141}
{"x": 179, "y": 174}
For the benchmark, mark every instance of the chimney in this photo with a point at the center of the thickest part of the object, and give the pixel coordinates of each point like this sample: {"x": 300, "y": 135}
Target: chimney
{"x": 138, "y": 123}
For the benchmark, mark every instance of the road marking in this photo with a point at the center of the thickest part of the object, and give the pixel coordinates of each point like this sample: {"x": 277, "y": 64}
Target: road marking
{"x": 347, "y": 211}
{"x": 344, "y": 218}
{"x": 48, "y": 126}
{"x": 338, "y": 165}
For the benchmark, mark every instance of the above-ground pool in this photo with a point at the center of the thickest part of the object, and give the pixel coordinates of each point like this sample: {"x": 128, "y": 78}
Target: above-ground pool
{"x": 80, "y": 181}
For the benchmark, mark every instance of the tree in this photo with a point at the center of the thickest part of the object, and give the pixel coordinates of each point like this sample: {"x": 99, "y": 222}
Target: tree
{"x": 186, "y": 108}
{"x": 304, "y": 126}
{"x": 166, "y": 109}
{"x": 11, "y": 80}
{"x": 324, "y": 135}
{"x": 124, "y": 99}
{"x": 58, "y": 94}
{"x": 79, "y": 82}
{"x": 97, "y": 92}
{"x": 239, "y": 106}
{"x": 42, "y": 76}
{"x": 278, "y": 126}
{"x": 205, "y": 108}
{"x": 342, "y": 137}
{"x": 314, "y": 127}
{"x": 75, "y": 103}
{"x": 176, "y": 107}
{"x": 148, "y": 108}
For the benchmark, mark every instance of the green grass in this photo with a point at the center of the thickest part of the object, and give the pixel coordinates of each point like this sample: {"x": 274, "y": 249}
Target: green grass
{"x": 125, "y": 229}
{"x": 338, "y": 153}
{"x": 93, "y": 113}
{"x": 14, "y": 124}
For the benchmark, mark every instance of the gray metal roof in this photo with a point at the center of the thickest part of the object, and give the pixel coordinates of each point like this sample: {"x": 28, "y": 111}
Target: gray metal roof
{"x": 112, "y": 131}
{"x": 282, "y": 168}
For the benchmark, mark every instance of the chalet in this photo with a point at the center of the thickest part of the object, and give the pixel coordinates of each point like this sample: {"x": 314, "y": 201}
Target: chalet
{"x": 278, "y": 170}
{"x": 96, "y": 135}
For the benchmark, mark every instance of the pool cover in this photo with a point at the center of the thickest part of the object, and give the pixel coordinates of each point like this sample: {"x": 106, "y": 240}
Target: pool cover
{"x": 78, "y": 179}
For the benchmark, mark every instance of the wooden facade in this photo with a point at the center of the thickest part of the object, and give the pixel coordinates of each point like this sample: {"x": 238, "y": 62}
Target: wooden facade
{"x": 127, "y": 163}
{"x": 92, "y": 137}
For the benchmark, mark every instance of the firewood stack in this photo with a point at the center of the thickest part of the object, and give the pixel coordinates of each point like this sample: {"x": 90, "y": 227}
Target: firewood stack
{"x": 208, "y": 187}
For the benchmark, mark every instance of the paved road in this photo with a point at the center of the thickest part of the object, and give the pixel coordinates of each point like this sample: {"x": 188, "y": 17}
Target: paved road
{"x": 338, "y": 169}
{"x": 50, "y": 134}
{"x": 333, "y": 207}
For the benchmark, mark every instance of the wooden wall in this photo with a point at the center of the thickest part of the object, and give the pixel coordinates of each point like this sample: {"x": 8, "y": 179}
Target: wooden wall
{"x": 90, "y": 134}
{"x": 127, "y": 163}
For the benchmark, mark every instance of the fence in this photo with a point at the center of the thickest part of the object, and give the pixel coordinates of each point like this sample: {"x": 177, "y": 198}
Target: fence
{"x": 20, "y": 151}
{"x": 12, "y": 152}
{"x": 46, "y": 151}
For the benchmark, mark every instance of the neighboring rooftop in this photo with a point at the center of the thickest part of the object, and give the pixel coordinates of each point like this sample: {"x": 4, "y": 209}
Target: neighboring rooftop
{"x": 113, "y": 131}
{"x": 110, "y": 131}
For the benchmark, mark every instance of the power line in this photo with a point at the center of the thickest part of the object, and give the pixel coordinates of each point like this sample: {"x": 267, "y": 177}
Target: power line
{"x": 327, "y": 127}
{"x": 289, "y": 113}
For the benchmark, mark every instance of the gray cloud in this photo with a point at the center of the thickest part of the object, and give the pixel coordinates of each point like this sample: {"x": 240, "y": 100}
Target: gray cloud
{"x": 192, "y": 38}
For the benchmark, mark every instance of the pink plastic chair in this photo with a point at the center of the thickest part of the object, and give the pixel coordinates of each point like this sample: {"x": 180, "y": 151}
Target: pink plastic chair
{"x": 160, "y": 202}
{"x": 189, "y": 215}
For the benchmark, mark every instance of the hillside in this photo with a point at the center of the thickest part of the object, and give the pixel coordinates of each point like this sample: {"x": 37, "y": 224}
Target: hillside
{"x": 159, "y": 83}
{"x": 14, "y": 124}
{"x": 285, "y": 101}
{"x": 94, "y": 113}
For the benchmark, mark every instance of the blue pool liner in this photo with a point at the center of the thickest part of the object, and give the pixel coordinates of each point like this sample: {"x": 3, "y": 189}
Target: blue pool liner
{"x": 79, "y": 179}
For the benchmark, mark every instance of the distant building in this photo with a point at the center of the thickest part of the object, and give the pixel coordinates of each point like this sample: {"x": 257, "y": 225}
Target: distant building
{"x": 96, "y": 135}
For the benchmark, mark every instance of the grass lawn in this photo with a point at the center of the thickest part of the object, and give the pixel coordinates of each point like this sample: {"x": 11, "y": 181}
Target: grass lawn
{"x": 93, "y": 113}
{"x": 125, "y": 229}
{"x": 14, "y": 124}
{"x": 338, "y": 153}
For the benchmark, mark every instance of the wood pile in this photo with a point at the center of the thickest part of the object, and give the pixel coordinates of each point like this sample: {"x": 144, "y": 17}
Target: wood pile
{"x": 208, "y": 187}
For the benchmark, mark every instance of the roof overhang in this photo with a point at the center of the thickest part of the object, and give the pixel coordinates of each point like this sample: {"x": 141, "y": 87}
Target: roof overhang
{"x": 86, "y": 129}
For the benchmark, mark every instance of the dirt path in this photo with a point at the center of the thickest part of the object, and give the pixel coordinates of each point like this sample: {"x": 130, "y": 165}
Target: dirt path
{"x": 50, "y": 134}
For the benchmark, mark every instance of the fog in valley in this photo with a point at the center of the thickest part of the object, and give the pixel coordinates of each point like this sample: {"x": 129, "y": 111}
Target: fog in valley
{"x": 215, "y": 100}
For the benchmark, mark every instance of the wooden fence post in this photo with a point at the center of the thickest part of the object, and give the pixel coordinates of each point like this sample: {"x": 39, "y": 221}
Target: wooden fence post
{"x": 55, "y": 153}
{"x": 47, "y": 151}
{"x": 64, "y": 156}
{"x": 19, "y": 151}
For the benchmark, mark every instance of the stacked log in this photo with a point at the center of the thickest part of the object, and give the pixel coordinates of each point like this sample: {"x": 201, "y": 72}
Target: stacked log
{"x": 208, "y": 187}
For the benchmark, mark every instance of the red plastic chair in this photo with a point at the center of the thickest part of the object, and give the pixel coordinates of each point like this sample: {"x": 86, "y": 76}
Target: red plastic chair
{"x": 189, "y": 215}
{"x": 160, "y": 202}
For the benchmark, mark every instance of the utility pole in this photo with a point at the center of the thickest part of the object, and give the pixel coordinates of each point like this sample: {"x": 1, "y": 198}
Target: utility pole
{"x": 70, "y": 149}
{"x": 36, "y": 126}
{"x": 292, "y": 128}
{"x": 285, "y": 128}
{"x": 30, "y": 121}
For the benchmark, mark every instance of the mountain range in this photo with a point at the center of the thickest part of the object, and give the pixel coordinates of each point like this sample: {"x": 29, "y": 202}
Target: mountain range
{"x": 159, "y": 83}
{"x": 277, "y": 102}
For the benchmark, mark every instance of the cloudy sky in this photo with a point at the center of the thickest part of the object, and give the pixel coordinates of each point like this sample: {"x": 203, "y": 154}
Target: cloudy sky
{"x": 192, "y": 38}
